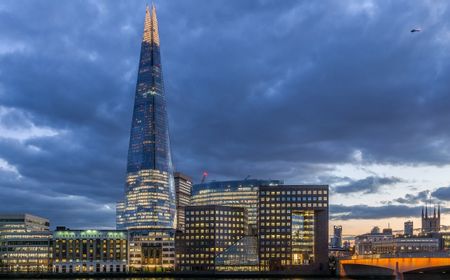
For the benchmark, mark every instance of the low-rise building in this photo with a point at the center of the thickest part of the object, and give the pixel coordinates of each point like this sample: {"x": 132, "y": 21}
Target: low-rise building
{"x": 151, "y": 250}
{"x": 364, "y": 243}
{"x": 89, "y": 251}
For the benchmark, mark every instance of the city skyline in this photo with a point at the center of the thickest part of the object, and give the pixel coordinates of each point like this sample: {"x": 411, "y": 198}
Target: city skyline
{"x": 272, "y": 100}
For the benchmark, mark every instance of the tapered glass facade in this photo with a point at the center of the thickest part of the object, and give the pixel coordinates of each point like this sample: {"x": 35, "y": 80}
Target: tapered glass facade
{"x": 149, "y": 190}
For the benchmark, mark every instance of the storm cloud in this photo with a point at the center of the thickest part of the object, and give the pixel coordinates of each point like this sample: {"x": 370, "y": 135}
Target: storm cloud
{"x": 275, "y": 89}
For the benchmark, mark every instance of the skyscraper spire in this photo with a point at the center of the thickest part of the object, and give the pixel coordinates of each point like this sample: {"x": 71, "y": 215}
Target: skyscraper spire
{"x": 149, "y": 190}
{"x": 151, "y": 33}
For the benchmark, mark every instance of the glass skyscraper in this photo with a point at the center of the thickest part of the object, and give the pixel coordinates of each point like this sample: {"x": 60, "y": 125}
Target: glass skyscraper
{"x": 149, "y": 201}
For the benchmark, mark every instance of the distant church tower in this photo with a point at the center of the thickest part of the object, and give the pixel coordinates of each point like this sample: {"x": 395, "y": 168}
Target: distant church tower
{"x": 431, "y": 223}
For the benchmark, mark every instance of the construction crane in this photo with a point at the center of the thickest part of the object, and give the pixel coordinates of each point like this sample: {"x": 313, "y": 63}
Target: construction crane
{"x": 205, "y": 174}
{"x": 246, "y": 178}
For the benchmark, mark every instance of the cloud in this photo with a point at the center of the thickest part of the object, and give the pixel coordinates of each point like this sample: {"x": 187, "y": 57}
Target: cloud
{"x": 320, "y": 84}
{"x": 16, "y": 125}
{"x": 418, "y": 198}
{"x": 367, "y": 185}
{"x": 442, "y": 193}
{"x": 361, "y": 211}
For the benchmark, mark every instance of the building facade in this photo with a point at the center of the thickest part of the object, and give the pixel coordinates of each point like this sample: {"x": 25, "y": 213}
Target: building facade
{"x": 293, "y": 228}
{"x": 25, "y": 244}
{"x": 183, "y": 189}
{"x": 149, "y": 201}
{"x": 210, "y": 230}
{"x": 90, "y": 251}
{"x": 240, "y": 193}
{"x": 151, "y": 251}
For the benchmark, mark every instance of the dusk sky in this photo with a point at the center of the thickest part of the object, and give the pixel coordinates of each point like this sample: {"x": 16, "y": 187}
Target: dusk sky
{"x": 323, "y": 92}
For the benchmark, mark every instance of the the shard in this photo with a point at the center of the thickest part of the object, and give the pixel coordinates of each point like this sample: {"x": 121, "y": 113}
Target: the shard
{"x": 149, "y": 201}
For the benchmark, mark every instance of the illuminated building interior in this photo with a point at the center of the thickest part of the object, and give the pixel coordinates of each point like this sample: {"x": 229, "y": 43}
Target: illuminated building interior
{"x": 24, "y": 243}
{"x": 151, "y": 251}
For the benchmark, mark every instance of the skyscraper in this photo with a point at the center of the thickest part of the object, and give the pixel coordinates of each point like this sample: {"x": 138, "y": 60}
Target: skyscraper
{"x": 149, "y": 202}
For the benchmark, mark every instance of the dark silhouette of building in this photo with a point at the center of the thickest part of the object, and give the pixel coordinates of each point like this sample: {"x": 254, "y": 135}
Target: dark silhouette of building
{"x": 431, "y": 222}
{"x": 336, "y": 240}
{"x": 293, "y": 229}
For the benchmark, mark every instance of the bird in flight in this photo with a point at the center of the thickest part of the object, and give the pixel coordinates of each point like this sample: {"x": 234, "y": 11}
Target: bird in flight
{"x": 416, "y": 30}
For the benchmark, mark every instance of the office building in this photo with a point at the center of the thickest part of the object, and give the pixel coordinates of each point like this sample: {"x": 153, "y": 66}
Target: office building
{"x": 431, "y": 223}
{"x": 336, "y": 240}
{"x": 89, "y": 251}
{"x": 241, "y": 193}
{"x": 183, "y": 188}
{"x": 149, "y": 201}
{"x": 209, "y": 231}
{"x": 408, "y": 229}
{"x": 293, "y": 228}
{"x": 24, "y": 244}
{"x": 151, "y": 251}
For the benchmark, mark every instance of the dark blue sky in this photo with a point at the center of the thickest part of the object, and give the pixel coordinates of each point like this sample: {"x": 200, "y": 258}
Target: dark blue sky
{"x": 303, "y": 91}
